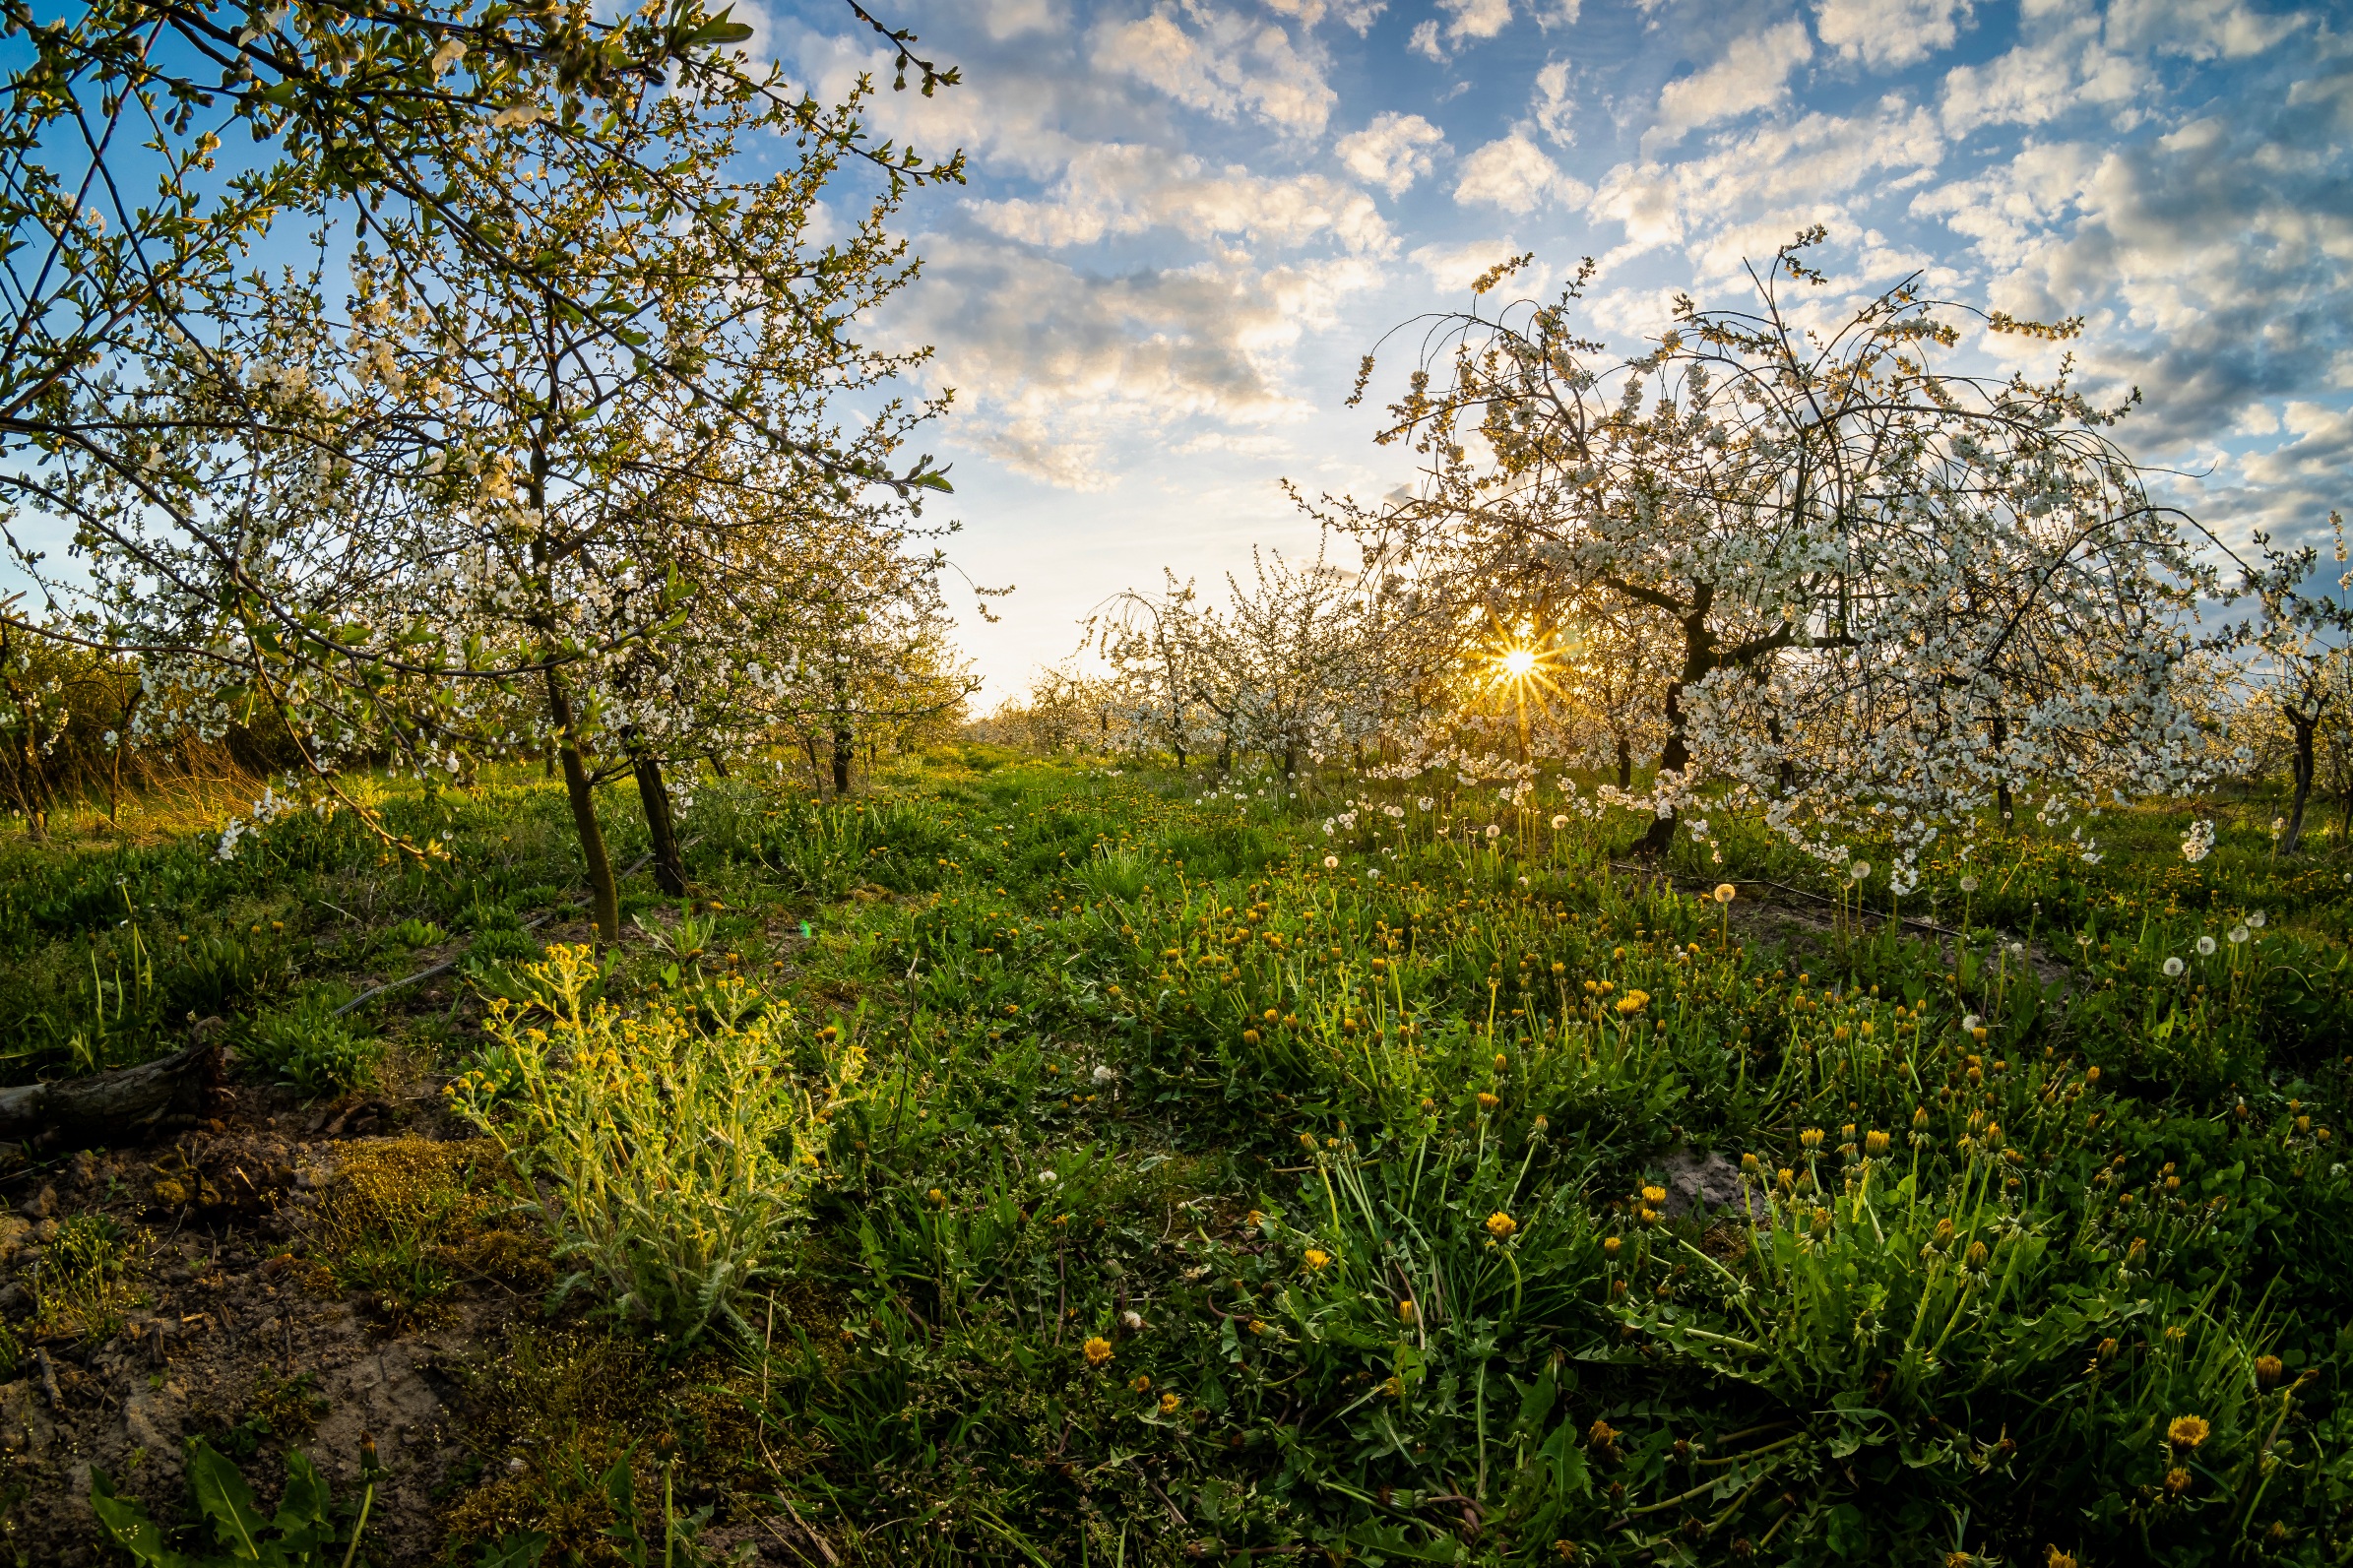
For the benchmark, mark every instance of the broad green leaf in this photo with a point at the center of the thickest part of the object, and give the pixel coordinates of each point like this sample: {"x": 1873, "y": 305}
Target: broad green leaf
{"x": 226, "y": 1500}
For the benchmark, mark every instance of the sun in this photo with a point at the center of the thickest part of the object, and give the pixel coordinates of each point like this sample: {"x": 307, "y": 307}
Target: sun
{"x": 1520, "y": 661}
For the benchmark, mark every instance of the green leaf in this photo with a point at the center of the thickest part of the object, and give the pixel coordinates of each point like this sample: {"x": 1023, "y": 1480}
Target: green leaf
{"x": 302, "y": 1511}
{"x": 1848, "y": 1536}
{"x": 523, "y": 1550}
{"x": 125, "y": 1519}
{"x": 223, "y": 1496}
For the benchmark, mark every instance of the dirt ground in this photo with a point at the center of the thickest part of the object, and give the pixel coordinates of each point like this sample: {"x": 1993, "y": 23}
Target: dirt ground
{"x": 222, "y": 1324}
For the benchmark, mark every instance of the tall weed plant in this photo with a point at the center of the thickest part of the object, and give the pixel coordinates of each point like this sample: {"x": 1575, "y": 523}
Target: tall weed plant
{"x": 666, "y": 1152}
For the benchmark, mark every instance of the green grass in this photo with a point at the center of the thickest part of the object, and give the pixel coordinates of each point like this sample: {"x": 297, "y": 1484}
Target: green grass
{"x": 1200, "y": 1198}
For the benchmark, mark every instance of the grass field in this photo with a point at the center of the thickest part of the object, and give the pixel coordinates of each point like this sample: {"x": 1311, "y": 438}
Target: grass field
{"x": 1060, "y": 1163}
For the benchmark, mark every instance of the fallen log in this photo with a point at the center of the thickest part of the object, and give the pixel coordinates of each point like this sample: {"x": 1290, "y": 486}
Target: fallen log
{"x": 117, "y": 1107}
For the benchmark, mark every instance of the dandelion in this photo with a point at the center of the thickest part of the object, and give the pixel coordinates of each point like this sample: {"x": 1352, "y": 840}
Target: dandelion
{"x": 1139, "y": 1384}
{"x": 1133, "y": 1321}
{"x": 2177, "y": 1481}
{"x": 1318, "y": 1259}
{"x": 1859, "y": 870}
{"x": 1725, "y": 893}
{"x": 1169, "y": 1403}
{"x": 2173, "y": 968}
{"x": 1560, "y": 820}
{"x": 2187, "y": 1431}
{"x": 2206, "y": 947}
{"x": 1103, "y": 1074}
{"x": 2267, "y": 1370}
{"x": 1405, "y": 1310}
{"x": 1969, "y": 884}
{"x": 1971, "y": 1023}
{"x": 1331, "y": 862}
{"x": 1634, "y": 1002}
{"x": 1425, "y": 802}
{"x": 2254, "y": 917}
{"x": 1501, "y": 1224}
{"x": 1097, "y": 1350}
{"x": 2239, "y": 933}
{"x": 1492, "y": 830}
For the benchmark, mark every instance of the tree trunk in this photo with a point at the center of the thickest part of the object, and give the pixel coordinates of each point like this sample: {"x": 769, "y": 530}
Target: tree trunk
{"x": 843, "y": 745}
{"x": 1291, "y": 762}
{"x": 2002, "y": 800}
{"x": 2306, "y": 765}
{"x": 662, "y": 826}
{"x": 602, "y": 893}
{"x": 122, "y": 743}
{"x": 718, "y": 766}
{"x": 1626, "y": 764}
{"x": 1699, "y": 658}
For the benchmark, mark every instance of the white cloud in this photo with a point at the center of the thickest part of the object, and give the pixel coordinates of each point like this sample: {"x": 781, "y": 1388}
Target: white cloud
{"x": 1232, "y": 64}
{"x": 1355, "y": 15}
{"x": 1006, "y": 19}
{"x": 1055, "y": 369}
{"x": 1884, "y": 33}
{"x": 1750, "y": 192}
{"x": 2203, "y": 29}
{"x": 1552, "y": 103}
{"x": 1012, "y": 120}
{"x": 1476, "y": 18}
{"x": 1512, "y": 172}
{"x": 2061, "y": 66}
{"x": 1123, "y": 189}
{"x": 1452, "y": 269}
{"x": 1393, "y": 152}
{"x": 2212, "y": 260}
{"x": 1753, "y": 74}
{"x": 1465, "y": 19}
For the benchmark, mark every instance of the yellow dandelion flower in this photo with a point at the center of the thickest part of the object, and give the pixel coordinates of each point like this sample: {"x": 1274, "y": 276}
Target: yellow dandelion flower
{"x": 2187, "y": 1431}
{"x": 1097, "y": 1350}
{"x": 1317, "y": 1258}
{"x": 1169, "y": 1403}
{"x": 1501, "y": 1224}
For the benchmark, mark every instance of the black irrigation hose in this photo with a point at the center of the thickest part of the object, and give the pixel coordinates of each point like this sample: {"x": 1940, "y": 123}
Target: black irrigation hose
{"x": 530, "y": 924}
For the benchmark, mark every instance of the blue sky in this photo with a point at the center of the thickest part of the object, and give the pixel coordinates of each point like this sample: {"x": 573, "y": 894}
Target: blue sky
{"x": 1186, "y": 219}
